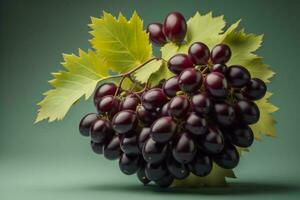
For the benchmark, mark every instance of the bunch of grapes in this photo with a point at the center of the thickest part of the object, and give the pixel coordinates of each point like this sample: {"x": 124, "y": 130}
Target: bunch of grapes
{"x": 197, "y": 117}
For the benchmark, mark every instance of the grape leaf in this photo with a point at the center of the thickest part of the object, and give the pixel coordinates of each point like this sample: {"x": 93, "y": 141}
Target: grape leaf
{"x": 162, "y": 74}
{"x": 142, "y": 75}
{"x": 122, "y": 44}
{"x": 82, "y": 74}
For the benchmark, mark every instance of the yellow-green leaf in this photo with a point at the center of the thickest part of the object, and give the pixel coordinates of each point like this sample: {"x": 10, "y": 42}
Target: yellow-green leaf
{"x": 122, "y": 43}
{"x": 82, "y": 74}
{"x": 143, "y": 74}
{"x": 162, "y": 74}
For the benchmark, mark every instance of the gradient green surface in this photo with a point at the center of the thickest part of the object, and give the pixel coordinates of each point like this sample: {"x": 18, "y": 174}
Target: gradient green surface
{"x": 52, "y": 161}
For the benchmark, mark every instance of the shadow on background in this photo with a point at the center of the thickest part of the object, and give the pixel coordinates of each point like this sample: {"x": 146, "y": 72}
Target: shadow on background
{"x": 241, "y": 188}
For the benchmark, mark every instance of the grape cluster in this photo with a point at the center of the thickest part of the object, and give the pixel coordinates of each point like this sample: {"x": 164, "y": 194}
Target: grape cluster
{"x": 197, "y": 117}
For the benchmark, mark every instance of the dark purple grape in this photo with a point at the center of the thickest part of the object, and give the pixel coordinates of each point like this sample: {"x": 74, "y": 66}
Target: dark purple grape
{"x": 156, "y": 34}
{"x": 220, "y": 54}
{"x": 221, "y": 68}
{"x": 228, "y": 158}
{"x": 184, "y": 149}
{"x": 104, "y": 90}
{"x": 216, "y": 85}
{"x": 154, "y": 152}
{"x": 165, "y": 110}
{"x": 171, "y": 86}
{"x": 165, "y": 181}
{"x": 190, "y": 80}
{"x": 142, "y": 176}
{"x": 178, "y": 170}
{"x": 143, "y": 137}
{"x": 237, "y": 76}
{"x": 201, "y": 165}
{"x": 108, "y": 104}
{"x": 124, "y": 121}
{"x": 112, "y": 149}
{"x": 199, "y": 53}
{"x": 129, "y": 164}
{"x": 224, "y": 113}
{"x": 179, "y": 107}
{"x": 155, "y": 172}
{"x": 179, "y": 62}
{"x": 196, "y": 125}
{"x": 129, "y": 145}
{"x": 97, "y": 147}
{"x": 201, "y": 104}
{"x": 86, "y": 123}
{"x": 241, "y": 136}
{"x": 175, "y": 27}
{"x": 130, "y": 102}
{"x": 101, "y": 131}
{"x": 145, "y": 116}
{"x": 154, "y": 99}
{"x": 247, "y": 112}
{"x": 163, "y": 129}
{"x": 212, "y": 141}
{"x": 255, "y": 90}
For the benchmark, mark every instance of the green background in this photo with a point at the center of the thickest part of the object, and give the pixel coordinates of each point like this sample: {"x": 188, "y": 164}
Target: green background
{"x": 52, "y": 161}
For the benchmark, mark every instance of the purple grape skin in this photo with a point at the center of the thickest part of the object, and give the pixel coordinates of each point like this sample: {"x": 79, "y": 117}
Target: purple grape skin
{"x": 154, "y": 99}
{"x": 104, "y": 90}
{"x": 175, "y": 27}
{"x": 142, "y": 176}
{"x": 164, "y": 110}
{"x": 199, "y": 53}
{"x": 145, "y": 116}
{"x": 212, "y": 141}
{"x": 190, "y": 80}
{"x": 184, "y": 149}
{"x": 155, "y": 172}
{"x": 124, "y": 121}
{"x": 130, "y": 102}
{"x": 220, "y": 54}
{"x": 201, "y": 104}
{"x": 196, "y": 125}
{"x": 129, "y": 164}
{"x": 254, "y": 90}
{"x": 86, "y": 123}
{"x": 97, "y": 147}
{"x": 176, "y": 169}
{"x": 154, "y": 152}
{"x": 143, "y": 137}
{"x": 224, "y": 114}
{"x": 129, "y": 145}
{"x": 112, "y": 150}
{"x": 171, "y": 86}
{"x": 179, "y": 107}
{"x": 216, "y": 85}
{"x": 156, "y": 34}
{"x": 179, "y": 62}
{"x": 237, "y": 76}
{"x": 247, "y": 112}
{"x": 241, "y": 135}
{"x": 165, "y": 182}
{"x": 108, "y": 104}
{"x": 101, "y": 131}
{"x": 163, "y": 129}
{"x": 228, "y": 158}
{"x": 221, "y": 68}
{"x": 201, "y": 165}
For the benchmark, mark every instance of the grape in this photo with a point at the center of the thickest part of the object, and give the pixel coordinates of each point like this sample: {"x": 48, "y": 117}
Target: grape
{"x": 155, "y": 172}
{"x": 196, "y": 125}
{"x": 129, "y": 164}
{"x": 224, "y": 113}
{"x": 145, "y": 116}
{"x": 108, "y": 104}
{"x": 175, "y": 27}
{"x": 165, "y": 181}
{"x": 156, "y": 34}
{"x": 212, "y": 141}
{"x": 201, "y": 165}
{"x": 199, "y": 53}
{"x": 178, "y": 170}
{"x": 237, "y": 76}
{"x": 129, "y": 145}
{"x": 179, "y": 62}
{"x": 112, "y": 149}
{"x": 101, "y": 131}
{"x": 165, "y": 110}
{"x": 220, "y": 54}
{"x": 221, "y": 68}
{"x": 228, "y": 158}
{"x": 154, "y": 99}
{"x": 143, "y": 137}
{"x": 179, "y": 107}
{"x": 130, "y": 102}
{"x": 184, "y": 148}
{"x": 190, "y": 80}
{"x": 86, "y": 123}
{"x": 104, "y": 90}
{"x": 163, "y": 129}
{"x": 171, "y": 86}
{"x": 216, "y": 85}
{"x": 142, "y": 176}
{"x": 241, "y": 136}
{"x": 154, "y": 152}
{"x": 97, "y": 147}
{"x": 255, "y": 89}
{"x": 247, "y": 112}
{"x": 124, "y": 121}
{"x": 201, "y": 104}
